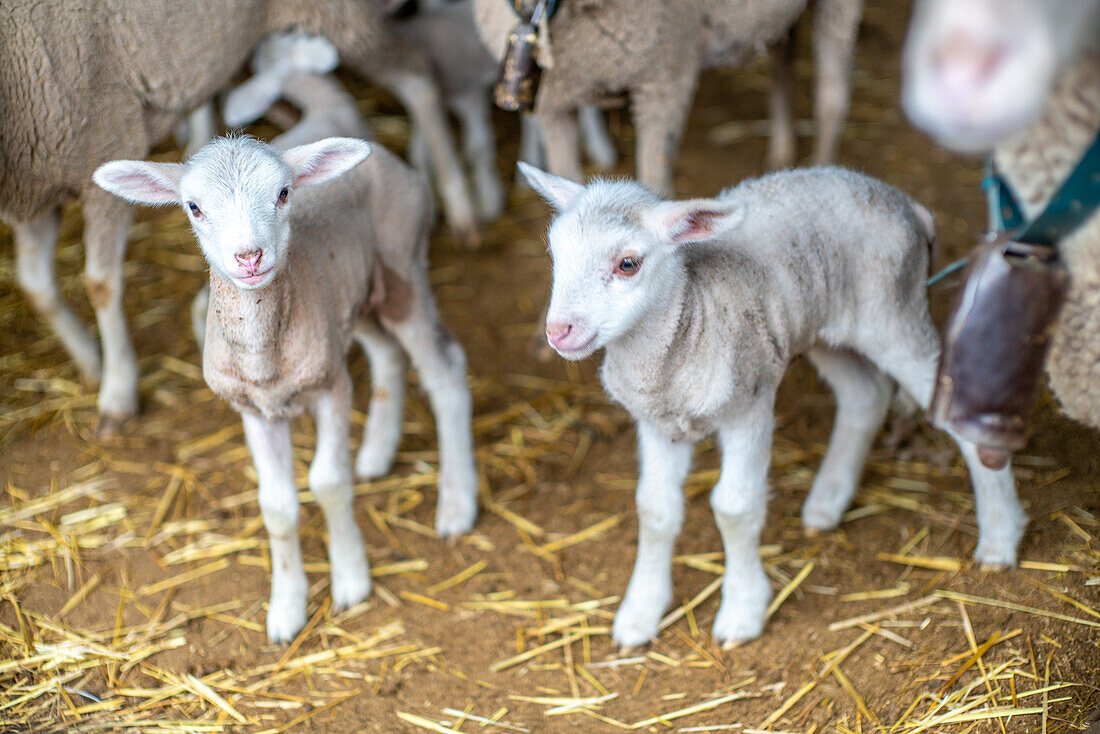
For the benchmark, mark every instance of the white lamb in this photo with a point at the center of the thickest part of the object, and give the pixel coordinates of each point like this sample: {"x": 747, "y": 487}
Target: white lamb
{"x": 701, "y": 304}
{"x": 294, "y": 277}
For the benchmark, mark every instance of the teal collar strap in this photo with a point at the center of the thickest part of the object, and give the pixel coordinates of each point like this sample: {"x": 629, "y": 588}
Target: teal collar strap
{"x": 1071, "y": 205}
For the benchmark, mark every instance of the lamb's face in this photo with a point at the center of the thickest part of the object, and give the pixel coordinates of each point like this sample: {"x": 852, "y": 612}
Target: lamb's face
{"x": 238, "y": 199}
{"x": 608, "y": 272}
{"x": 980, "y": 70}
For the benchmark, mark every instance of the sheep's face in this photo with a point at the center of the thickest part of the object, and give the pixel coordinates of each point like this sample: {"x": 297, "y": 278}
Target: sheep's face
{"x": 237, "y": 193}
{"x": 616, "y": 256}
{"x": 975, "y": 72}
{"x": 238, "y": 199}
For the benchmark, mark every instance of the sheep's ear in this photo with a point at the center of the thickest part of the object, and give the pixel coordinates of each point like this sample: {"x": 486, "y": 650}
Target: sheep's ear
{"x": 559, "y": 192}
{"x": 325, "y": 159}
{"x": 695, "y": 220}
{"x": 251, "y": 99}
{"x": 141, "y": 182}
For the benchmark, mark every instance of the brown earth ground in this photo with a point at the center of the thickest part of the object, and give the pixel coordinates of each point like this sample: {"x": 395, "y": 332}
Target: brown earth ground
{"x": 134, "y": 569}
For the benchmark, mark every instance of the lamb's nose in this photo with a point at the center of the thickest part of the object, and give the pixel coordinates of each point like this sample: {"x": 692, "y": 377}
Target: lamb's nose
{"x": 249, "y": 260}
{"x": 557, "y": 331}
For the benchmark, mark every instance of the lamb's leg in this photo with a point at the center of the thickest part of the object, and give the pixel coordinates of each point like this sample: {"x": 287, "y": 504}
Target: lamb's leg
{"x": 421, "y": 98}
{"x": 330, "y": 482}
{"x": 836, "y": 25}
{"x": 598, "y": 145}
{"x": 106, "y": 226}
{"x": 441, "y": 364}
{"x": 660, "y": 110}
{"x": 269, "y": 442}
{"x": 561, "y": 141}
{"x": 388, "y": 366}
{"x": 781, "y": 144}
{"x": 862, "y": 400}
{"x": 659, "y": 498}
{"x": 479, "y": 145}
{"x": 1001, "y": 519}
{"x": 740, "y": 504}
{"x": 35, "y": 246}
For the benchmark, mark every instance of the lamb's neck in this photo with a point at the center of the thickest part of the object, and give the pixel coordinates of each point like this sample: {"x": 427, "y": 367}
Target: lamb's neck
{"x": 649, "y": 343}
{"x": 252, "y": 322}
{"x": 1037, "y": 160}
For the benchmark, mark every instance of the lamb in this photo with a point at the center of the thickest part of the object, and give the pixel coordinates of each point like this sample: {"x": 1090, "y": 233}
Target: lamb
{"x": 653, "y": 51}
{"x": 298, "y": 268}
{"x": 1022, "y": 79}
{"x": 701, "y": 304}
{"x": 81, "y": 83}
{"x": 296, "y": 66}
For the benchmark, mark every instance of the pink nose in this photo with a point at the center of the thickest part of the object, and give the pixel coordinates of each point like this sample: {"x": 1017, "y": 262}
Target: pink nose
{"x": 557, "y": 332}
{"x": 965, "y": 61}
{"x": 249, "y": 260}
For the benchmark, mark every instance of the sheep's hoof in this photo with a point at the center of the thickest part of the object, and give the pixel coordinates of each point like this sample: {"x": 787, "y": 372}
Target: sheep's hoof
{"x": 468, "y": 237}
{"x": 110, "y": 424}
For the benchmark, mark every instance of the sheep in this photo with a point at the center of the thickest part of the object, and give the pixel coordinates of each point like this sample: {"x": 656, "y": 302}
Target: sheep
{"x": 1022, "y": 79}
{"x": 653, "y": 51}
{"x": 81, "y": 83}
{"x": 700, "y": 305}
{"x": 298, "y": 270}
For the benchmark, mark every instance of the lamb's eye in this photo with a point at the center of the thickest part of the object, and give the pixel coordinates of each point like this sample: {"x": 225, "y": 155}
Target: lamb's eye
{"x": 195, "y": 211}
{"x": 284, "y": 194}
{"x": 629, "y": 266}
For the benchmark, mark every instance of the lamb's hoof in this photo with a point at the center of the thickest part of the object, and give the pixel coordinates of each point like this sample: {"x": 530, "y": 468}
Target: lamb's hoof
{"x": 285, "y": 621}
{"x": 110, "y": 424}
{"x": 735, "y": 626}
{"x": 372, "y": 463}
{"x": 456, "y": 515}
{"x": 348, "y": 589}
{"x": 991, "y": 558}
{"x": 637, "y": 621}
{"x": 815, "y": 522}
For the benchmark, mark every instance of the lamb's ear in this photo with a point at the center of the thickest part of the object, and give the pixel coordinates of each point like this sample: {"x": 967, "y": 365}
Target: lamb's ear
{"x": 252, "y": 98}
{"x": 314, "y": 54}
{"x": 141, "y": 182}
{"x": 559, "y": 192}
{"x": 695, "y": 220}
{"x": 325, "y": 159}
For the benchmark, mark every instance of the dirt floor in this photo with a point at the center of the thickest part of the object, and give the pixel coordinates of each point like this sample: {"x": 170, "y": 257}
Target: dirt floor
{"x": 133, "y": 570}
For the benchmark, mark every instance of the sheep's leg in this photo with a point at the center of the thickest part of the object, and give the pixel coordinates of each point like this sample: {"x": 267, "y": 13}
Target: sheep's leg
{"x": 836, "y": 25}
{"x": 862, "y": 400}
{"x": 530, "y": 147}
{"x": 561, "y": 141}
{"x": 419, "y": 156}
{"x": 106, "y": 226}
{"x": 441, "y": 364}
{"x": 330, "y": 482}
{"x": 269, "y": 442}
{"x": 598, "y": 145}
{"x": 660, "y": 111}
{"x": 479, "y": 145}
{"x": 664, "y": 466}
{"x": 388, "y": 365}
{"x": 1001, "y": 519}
{"x": 35, "y": 247}
{"x": 781, "y": 144}
{"x": 421, "y": 98}
{"x": 740, "y": 503}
